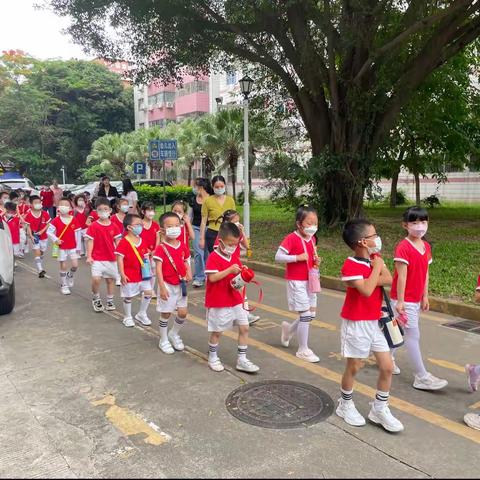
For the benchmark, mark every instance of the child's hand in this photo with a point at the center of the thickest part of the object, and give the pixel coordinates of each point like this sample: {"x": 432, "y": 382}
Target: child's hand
{"x": 302, "y": 258}
{"x": 164, "y": 293}
{"x": 201, "y": 244}
{"x": 402, "y": 319}
{"x": 188, "y": 277}
{"x": 234, "y": 269}
{"x": 59, "y": 242}
{"x": 124, "y": 279}
{"x": 377, "y": 262}
{"x": 186, "y": 219}
{"x": 89, "y": 260}
{"x": 317, "y": 261}
{"x": 400, "y": 308}
{"x": 425, "y": 304}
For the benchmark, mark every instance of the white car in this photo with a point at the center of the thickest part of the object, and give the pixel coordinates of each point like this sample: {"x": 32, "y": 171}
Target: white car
{"x": 7, "y": 283}
{"x": 19, "y": 182}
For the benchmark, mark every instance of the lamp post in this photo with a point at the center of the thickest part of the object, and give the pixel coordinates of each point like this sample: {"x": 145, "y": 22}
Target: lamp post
{"x": 63, "y": 173}
{"x": 246, "y": 84}
{"x": 219, "y": 101}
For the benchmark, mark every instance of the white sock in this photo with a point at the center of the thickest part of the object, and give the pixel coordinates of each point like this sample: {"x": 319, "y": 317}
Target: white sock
{"x": 144, "y": 305}
{"x": 476, "y": 369}
{"x": 212, "y": 352}
{"x": 412, "y": 344}
{"x": 63, "y": 279}
{"x": 381, "y": 399}
{"x": 110, "y": 298}
{"x": 127, "y": 307}
{"x": 164, "y": 329}
{"x": 38, "y": 263}
{"x": 347, "y": 395}
{"x": 95, "y": 296}
{"x": 302, "y": 330}
{"x": 177, "y": 325}
{"x": 242, "y": 352}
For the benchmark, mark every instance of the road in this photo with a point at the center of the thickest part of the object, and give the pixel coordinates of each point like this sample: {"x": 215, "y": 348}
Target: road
{"x": 83, "y": 396}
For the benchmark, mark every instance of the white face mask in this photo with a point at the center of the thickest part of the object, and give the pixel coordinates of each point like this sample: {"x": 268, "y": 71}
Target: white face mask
{"x": 229, "y": 250}
{"x": 37, "y": 206}
{"x": 149, "y": 215}
{"x": 219, "y": 191}
{"x": 103, "y": 214}
{"x": 80, "y": 204}
{"x": 377, "y": 248}
{"x": 312, "y": 230}
{"x": 124, "y": 208}
{"x": 63, "y": 209}
{"x": 417, "y": 230}
{"x": 179, "y": 215}
{"x": 173, "y": 232}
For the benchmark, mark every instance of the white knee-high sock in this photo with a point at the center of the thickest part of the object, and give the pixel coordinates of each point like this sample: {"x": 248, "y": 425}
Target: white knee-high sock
{"x": 145, "y": 303}
{"x": 63, "y": 279}
{"x": 412, "y": 344}
{"x": 127, "y": 307}
{"x": 302, "y": 330}
{"x": 177, "y": 325}
{"x": 164, "y": 328}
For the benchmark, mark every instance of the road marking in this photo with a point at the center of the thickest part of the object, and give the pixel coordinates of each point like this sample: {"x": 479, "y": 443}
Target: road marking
{"x": 447, "y": 364}
{"x": 338, "y": 356}
{"x": 129, "y": 423}
{"x": 406, "y": 407}
{"x": 475, "y": 405}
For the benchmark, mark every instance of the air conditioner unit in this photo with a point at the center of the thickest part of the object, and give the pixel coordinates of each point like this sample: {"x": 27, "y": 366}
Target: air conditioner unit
{"x": 169, "y": 104}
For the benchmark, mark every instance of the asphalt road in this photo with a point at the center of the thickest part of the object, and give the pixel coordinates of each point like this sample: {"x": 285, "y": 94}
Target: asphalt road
{"x": 83, "y": 396}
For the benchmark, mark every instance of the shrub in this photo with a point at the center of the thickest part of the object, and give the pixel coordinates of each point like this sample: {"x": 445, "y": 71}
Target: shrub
{"x": 401, "y": 198}
{"x": 240, "y": 197}
{"x": 147, "y": 193}
{"x": 431, "y": 201}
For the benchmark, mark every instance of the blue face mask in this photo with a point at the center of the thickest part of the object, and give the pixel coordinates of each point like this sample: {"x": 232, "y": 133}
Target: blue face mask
{"x": 137, "y": 230}
{"x": 195, "y": 190}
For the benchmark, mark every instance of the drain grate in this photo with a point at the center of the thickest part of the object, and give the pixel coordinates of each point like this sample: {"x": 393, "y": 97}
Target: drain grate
{"x": 279, "y": 404}
{"x": 470, "y": 326}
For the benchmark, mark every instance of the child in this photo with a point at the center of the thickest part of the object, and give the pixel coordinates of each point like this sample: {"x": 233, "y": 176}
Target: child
{"x": 410, "y": 291}
{"x": 225, "y": 304}
{"x": 37, "y": 221}
{"x": 92, "y": 215}
{"x": 13, "y": 222}
{"x": 298, "y": 251}
{"x": 121, "y": 209}
{"x": 23, "y": 207}
{"x": 150, "y": 235}
{"x": 131, "y": 253}
{"x": 363, "y": 275}
{"x": 180, "y": 208}
{"x": 173, "y": 269}
{"x": 63, "y": 232}
{"x": 102, "y": 237}
{"x": 81, "y": 216}
{"x": 234, "y": 217}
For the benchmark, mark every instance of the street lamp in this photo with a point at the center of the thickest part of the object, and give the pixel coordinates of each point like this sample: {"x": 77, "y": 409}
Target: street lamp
{"x": 63, "y": 174}
{"x": 246, "y": 84}
{"x": 219, "y": 101}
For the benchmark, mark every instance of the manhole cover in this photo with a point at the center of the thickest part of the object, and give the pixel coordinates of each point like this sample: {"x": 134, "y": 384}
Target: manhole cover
{"x": 279, "y": 404}
{"x": 470, "y": 326}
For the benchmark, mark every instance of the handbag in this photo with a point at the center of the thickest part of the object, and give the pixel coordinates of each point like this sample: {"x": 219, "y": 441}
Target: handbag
{"x": 389, "y": 325}
{"x": 183, "y": 283}
{"x": 144, "y": 263}
{"x": 314, "y": 285}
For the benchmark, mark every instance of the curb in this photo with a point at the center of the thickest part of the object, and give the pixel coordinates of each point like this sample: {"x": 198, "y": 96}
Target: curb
{"x": 449, "y": 307}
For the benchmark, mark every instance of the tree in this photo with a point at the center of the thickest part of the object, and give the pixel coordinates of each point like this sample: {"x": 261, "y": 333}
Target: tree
{"x": 349, "y": 66}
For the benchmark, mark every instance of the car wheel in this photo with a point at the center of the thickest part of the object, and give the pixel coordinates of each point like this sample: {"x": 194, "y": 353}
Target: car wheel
{"x": 7, "y": 302}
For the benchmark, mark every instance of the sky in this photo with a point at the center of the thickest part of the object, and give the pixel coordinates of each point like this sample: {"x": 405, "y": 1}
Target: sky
{"x": 36, "y": 32}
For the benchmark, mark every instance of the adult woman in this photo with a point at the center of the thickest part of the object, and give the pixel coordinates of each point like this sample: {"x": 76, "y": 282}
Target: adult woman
{"x": 130, "y": 194}
{"x": 200, "y": 194}
{"x": 57, "y": 195}
{"x": 107, "y": 190}
{"x": 212, "y": 209}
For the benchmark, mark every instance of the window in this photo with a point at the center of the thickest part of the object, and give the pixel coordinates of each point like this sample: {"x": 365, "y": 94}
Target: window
{"x": 193, "y": 87}
{"x": 231, "y": 78}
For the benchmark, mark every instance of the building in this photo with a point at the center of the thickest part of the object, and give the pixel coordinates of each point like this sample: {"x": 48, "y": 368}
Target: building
{"x": 120, "y": 67}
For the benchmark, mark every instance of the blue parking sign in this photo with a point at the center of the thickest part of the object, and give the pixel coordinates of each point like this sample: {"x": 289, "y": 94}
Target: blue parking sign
{"x": 139, "y": 168}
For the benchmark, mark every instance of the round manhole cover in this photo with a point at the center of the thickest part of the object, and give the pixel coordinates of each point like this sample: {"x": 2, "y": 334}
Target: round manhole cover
{"x": 279, "y": 404}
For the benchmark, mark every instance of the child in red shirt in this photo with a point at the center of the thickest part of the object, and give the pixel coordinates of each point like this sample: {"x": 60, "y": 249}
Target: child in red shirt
{"x": 410, "y": 291}
{"x": 224, "y": 303}
{"x": 121, "y": 209}
{"x": 298, "y": 251}
{"x": 132, "y": 255}
{"x": 187, "y": 233}
{"x": 150, "y": 235}
{"x": 173, "y": 271}
{"x": 13, "y": 222}
{"x": 363, "y": 275}
{"x": 63, "y": 232}
{"x": 23, "y": 207}
{"x": 81, "y": 215}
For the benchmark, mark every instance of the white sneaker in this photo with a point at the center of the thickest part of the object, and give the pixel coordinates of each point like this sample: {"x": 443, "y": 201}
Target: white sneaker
{"x": 253, "y": 318}
{"x": 308, "y": 356}
{"x": 176, "y": 341}
{"x": 245, "y": 365}
{"x": 65, "y": 290}
{"x": 286, "y": 337}
{"x": 197, "y": 284}
{"x": 385, "y": 418}
{"x": 396, "y": 370}
{"x": 110, "y": 305}
{"x": 216, "y": 365}
{"x": 98, "y": 305}
{"x": 429, "y": 382}
{"x": 346, "y": 409}
{"x": 70, "y": 281}
{"x": 143, "y": 319}
{"x": 128, "y": 322}
{"x": 166, "y": 347}
{"x": 472, "y": 420}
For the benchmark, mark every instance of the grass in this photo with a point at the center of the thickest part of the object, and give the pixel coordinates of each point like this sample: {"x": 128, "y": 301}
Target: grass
{"x": 454, "y": 233}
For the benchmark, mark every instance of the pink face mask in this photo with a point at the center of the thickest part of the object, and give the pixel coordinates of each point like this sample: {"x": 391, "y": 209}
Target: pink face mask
{"x": 417, "y": 230}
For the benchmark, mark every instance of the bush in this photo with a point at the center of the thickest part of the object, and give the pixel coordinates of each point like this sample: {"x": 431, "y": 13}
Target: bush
{"x": 147, "y": 193}
{"x": 431, "y": 201}
{"x": 240, "y": 197}
{"x": 401, "y": 198}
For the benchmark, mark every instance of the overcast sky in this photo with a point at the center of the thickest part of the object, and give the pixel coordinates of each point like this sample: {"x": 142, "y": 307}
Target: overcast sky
{"x": 37, "y": 32}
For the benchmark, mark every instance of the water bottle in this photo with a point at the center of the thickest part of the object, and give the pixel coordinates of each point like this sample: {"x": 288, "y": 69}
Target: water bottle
{"x": 55, "y": 249}
{"x": 244, "y": 277}
{"x": 146, "y": 269}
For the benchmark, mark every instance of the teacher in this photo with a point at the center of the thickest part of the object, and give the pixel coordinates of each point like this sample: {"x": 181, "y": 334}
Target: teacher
{"x": 107, "y": 190}
{"x": 212, "y": 209}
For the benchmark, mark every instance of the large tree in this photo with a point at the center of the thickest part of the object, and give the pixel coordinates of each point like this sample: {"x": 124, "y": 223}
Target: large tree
{"x": 350, "y": 65}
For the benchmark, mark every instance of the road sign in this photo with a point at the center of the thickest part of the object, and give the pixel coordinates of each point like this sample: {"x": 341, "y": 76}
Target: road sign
{"x": 167, "y": 149}
{"x": 154, "y": 150}
{"x": 139, "y": 168}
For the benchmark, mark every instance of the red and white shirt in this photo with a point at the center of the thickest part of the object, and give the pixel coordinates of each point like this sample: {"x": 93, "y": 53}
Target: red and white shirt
{"x": 38, "y": 222}
{"x": 357, "y": 307}
{"x": 184, "y": 236}
{"x": 119, "y": 223}
{"x": 294, "y": 244}
{"x": 180, "y": 255}
{"x": 47, "y": 198}
{"x": 23, "y": 209}
{"x": 14, "y": 226}
{"x": 221, "y": 294}
{"x": 131, "y": 264}
{"x": 103, "y": 237}
{"x": 149, "y": 235}
{"x": 93, "y": 215}
{"x": 81, "y": 218}
{"x": 417, "y": 269}
{"x": 69, "y": 239}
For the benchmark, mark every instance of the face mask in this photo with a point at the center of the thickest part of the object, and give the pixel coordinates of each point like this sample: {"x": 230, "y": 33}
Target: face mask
{"x": 219, "y": 191}
{"x": 63, "y": 209}
{"x": 173, "y": 232}
{"x": 195, "y": 191}
{"x": 38, "y": 206}
{"x": 312, "y": 230}
{"x": 418, "y": 231}
{"x": 149, "y": 215}
{"x": 377, "y": 248}
{"x": 237, "y": 224}
{"x": 137, "y": 230}
{"x": 124, "y": 208}
{"x": 228, "y": 250}
{"x": 3, "y": 200}
{"x": 103, "y": 214}
{"x": 80, "y": 204}
{"x": 179, "y": 215}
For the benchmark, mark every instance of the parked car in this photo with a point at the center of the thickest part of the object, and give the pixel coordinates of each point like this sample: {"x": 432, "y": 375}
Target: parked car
{"x": 15, "y": 181}
{"x": 153, "y": 182}
{"x": 7, "y": 283}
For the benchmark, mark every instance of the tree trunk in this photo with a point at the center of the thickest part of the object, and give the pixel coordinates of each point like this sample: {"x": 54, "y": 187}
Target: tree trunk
{"x": 417, "y": 186}
{"x": 189, "y": 180}
{"x": 393, "y": 190}
{"x": 234, "y": 182}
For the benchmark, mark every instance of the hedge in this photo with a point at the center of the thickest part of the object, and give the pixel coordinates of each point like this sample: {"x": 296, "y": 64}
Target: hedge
{"x": 147, "y": 193}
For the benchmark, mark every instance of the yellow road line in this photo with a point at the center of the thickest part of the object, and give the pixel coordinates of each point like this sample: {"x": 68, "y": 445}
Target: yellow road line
{"x": 406, "y": 407}
{"x": 447, "y": 364}
{"x": 475, "y": 405}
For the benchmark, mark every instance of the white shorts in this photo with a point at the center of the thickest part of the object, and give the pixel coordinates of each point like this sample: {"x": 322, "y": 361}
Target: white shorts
{"x": 104, "y": 269}
{"x": 64, "y": 254}
{"x": 298, "y": 297}
{"x": 133, "y": 289}
{"x": 174, "y": 301}
{"x": 16, "y": 249}
{"x": 221, "y": 319}
{"x": 359, "y": 338}
{"x": 41, "y": 245}
{"x": 412, "y": 310}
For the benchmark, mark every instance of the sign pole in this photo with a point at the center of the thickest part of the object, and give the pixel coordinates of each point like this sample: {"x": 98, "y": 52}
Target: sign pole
{"x": 164, "y": 187}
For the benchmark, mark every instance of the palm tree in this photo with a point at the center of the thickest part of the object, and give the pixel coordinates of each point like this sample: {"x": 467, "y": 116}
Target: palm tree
{"x": 111, "y": 150}
{"x": 190, "y": 144}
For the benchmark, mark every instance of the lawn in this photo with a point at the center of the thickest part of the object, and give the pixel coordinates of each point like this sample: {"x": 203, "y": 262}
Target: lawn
{"x": 454, "y": 233}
